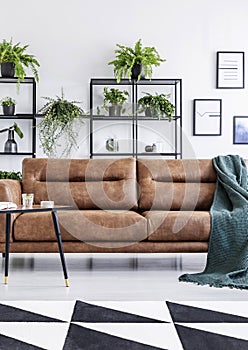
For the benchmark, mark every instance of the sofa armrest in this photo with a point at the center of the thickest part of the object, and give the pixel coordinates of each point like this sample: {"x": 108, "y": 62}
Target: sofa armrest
{"x": 10, "y": 191}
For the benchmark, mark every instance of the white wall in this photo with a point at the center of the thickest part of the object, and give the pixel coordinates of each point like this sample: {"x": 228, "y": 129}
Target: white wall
{"x": 75, "y": 39}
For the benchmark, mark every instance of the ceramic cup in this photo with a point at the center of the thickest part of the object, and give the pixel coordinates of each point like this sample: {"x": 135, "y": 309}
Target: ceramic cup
{"x": 47, "y": 204}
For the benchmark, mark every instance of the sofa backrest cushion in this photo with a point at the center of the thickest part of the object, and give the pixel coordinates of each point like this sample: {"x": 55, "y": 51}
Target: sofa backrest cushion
{"x": 85, "y": 183}
{"x": 176, "y": 184}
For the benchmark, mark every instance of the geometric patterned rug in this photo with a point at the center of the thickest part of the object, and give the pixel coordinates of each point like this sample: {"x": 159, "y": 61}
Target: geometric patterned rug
{"x": 132, "y": 325}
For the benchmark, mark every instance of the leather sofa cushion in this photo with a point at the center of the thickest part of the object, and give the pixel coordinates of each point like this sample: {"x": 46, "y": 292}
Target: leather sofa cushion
{"x": 176, "y": 184}
{"x": 84, "y": 183}
{"x": 85, "y": 225}
{"x": 176, "y": 226}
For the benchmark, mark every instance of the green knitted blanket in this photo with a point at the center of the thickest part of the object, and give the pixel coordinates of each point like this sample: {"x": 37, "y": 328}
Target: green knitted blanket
{"x": 227, "y": 261}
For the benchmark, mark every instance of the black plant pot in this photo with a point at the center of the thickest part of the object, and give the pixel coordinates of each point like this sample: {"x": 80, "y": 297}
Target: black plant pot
{"x": 136, "y": 71}
{"x": 115, "y": 111}
{"x": 151, "y": 112}
{"x": 7, "y": 70}
{"x": 9, "y": 110}
{"x": 10, "y": 145}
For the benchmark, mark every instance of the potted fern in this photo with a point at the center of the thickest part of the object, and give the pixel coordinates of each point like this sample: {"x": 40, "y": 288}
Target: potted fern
{"x": 14, "y": 60}
{"x": 8, "y": 105}
{"x": 133, "y": 62}
{"x": 114, "y": 100}
{"x": 59, "y": 122}
{"x": 156, "y": 106}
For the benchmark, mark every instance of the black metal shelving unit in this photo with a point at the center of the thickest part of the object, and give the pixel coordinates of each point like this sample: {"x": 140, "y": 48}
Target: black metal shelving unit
{"x": 24, "y": 116}
{"x": 135, "y": 119}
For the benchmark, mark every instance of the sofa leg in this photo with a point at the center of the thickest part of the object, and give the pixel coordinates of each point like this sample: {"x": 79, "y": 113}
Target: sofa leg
{"x": 3, "y": 255}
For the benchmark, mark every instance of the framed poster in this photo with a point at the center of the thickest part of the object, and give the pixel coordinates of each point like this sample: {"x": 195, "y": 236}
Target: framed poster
{"x": 240, "y": 130}
{"x": 207, "y": 117}
{"x": 230, "y": 70}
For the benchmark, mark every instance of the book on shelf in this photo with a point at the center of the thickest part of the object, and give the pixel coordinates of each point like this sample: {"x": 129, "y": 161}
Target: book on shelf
{"x": 7, "y": 205}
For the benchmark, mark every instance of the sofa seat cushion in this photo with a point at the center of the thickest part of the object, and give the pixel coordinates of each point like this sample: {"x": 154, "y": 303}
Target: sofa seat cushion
{"x": 178, "y": 225}
{"x": 85, "y": 225}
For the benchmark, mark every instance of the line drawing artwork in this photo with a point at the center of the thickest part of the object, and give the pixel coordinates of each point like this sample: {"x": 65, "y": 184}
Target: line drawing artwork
{"x": 207, "y": 118}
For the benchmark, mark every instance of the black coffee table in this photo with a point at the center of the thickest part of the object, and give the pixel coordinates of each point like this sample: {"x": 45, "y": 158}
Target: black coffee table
{"x": 34, "y": 209}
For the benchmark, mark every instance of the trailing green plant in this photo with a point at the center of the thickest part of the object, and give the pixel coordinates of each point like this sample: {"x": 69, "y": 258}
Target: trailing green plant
{"x": 127, "y": 57}
{"x": 16, "y": 128}
{"x": 12, "y": 175}
{"x": 58, "y": 122}
{"x": 7, "y": 101}
{"x": 114, "y": 97}
{"x": 159, "y": 105}
{"x": 10, "y": 53}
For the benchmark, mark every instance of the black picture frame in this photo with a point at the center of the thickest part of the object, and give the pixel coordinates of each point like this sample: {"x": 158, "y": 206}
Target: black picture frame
{"x": 240, "y": 130}
{"x": 207, "y": 117}
{"x": 230, "y": 70}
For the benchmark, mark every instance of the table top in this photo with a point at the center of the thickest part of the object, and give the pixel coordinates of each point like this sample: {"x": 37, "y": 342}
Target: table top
{"x": 34, "y": 209}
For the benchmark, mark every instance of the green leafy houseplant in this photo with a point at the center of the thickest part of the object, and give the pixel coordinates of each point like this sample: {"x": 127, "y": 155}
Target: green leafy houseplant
{"x": 8, "y": 105}
{"x": 127, "y": 58}
{"x": 114, "y": 96}
{"x": 7, "y": 101}
{"x": 156, "y": 106}
{"x": 15, "y": 128}
{"x": 58, "y": 122}
{"x": 15, "y": 54}
{"x": 10, "y": 175}
{"x": 114, "y": 100}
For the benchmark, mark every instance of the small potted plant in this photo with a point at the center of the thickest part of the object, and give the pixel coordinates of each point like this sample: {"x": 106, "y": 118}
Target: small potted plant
{"x": 135, "y": 62}
{"x": 59, "y": 122}
{"x": 114, "y": 100}
{"x": 14, "y": 60}
{"x": 10, "y": 145}
{"x": 8, "y": 105}
{"x": 156, "y": 106}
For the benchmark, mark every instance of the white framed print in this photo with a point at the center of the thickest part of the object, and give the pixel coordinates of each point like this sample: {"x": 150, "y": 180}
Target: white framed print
{"x": 207, "y": 117}
{"x": 230, "y": 70}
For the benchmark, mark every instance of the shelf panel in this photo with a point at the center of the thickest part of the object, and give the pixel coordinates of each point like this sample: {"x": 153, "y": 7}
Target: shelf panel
{"x": 106, "y": 117}
{"x": 112, "y": 154}
{"x": 158, "y": 154}
{"x": 17, "y": 154}
{"x": 27, "y": 80}
{"x": 102, "y": 117}
{"x": 17, "y": 116}
{"x": 111, "y": 81}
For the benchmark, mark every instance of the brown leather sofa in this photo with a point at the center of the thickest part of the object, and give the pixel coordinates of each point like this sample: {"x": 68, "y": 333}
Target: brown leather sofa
{"x": 120, "y": 205}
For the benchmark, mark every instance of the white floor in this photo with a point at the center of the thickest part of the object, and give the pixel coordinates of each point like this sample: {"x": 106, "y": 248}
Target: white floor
{"x": 109, "y": 277}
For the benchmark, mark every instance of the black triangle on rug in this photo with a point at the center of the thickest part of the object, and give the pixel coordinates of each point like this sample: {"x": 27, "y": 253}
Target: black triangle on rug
{"x": 190, "y": 314}
{"x": 194, "y": 339}
{"x": 14, "y": 314}
{"x": 8, "y": 343}
{"x": 84, "y": 312}
{"x": 81, "y": 338}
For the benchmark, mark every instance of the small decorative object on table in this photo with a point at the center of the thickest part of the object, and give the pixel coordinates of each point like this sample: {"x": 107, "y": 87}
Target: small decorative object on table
{"x": 27, "y": 200}
{"x": 47, "y": 204}
{"x": 151, "y": 148}
{"x": 112, "y": 145}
